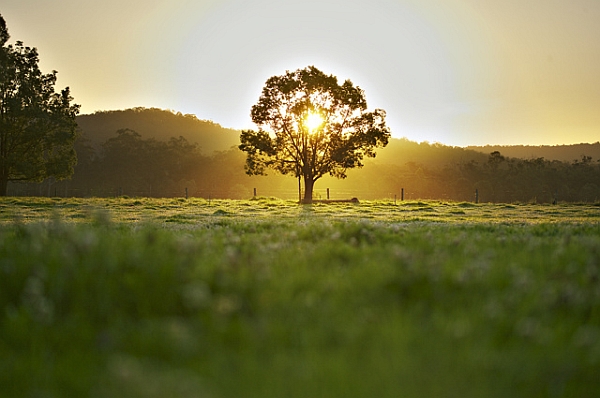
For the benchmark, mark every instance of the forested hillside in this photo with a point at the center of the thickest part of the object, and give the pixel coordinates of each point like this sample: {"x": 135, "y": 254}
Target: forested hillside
{"x": 564, "y": 153}
{"x": 152, "y": 152}
{"x": 158, "y": 124}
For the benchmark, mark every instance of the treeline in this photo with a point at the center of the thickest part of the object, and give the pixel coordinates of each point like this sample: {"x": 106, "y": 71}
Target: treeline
{"x": 133, "y": 163}
{"x": 498, "y": 179}
{"x": 128, "y": 164}
{"x": 566, "y": 153}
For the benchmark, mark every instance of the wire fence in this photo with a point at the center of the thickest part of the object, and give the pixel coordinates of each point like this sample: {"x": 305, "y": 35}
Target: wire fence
{"x": 325, "y": 193}
{"x": 236, "y": 193}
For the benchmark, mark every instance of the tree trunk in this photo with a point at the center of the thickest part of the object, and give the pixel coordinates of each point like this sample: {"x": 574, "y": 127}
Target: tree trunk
{"x": 308, "y": 190}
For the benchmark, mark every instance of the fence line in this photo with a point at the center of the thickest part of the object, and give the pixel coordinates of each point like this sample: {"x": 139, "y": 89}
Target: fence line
{"x": 477, "y": 195}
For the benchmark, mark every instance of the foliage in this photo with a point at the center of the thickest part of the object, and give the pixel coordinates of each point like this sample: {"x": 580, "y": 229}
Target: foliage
{"x": 507, "y": 180}
{"x": 128, "y": 160}
{"x": 178, "y": 298}
{"x": 37, "y": 125}
{"x": 285, "y": 141}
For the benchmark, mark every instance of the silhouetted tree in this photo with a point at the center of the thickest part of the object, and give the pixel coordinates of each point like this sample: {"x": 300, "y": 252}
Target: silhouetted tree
{"x": 495, "y": 160}
{"x": 37, "y": 125}
{"x": 309, "y": 126}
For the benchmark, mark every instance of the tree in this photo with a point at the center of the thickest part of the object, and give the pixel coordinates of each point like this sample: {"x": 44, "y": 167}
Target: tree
{"x": 37, "y": 125}
{"x": 309, "y": 126}
{"x": 495, "y": 159}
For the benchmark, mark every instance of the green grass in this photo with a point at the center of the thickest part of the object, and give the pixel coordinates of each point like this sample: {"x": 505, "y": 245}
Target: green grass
{"x": 264, "y": 298}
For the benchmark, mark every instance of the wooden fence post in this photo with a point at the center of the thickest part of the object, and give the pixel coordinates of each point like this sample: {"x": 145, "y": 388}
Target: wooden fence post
{"x": 327, "y": 193}
{"x": 476, "y": 195}
{"x": 402, "y": 195}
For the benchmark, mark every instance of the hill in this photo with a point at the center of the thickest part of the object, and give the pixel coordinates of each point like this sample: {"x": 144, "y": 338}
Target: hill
{"x": 563, "y": 153}
{"x": 158, "y": 124}
{"x": 401, "y": 151}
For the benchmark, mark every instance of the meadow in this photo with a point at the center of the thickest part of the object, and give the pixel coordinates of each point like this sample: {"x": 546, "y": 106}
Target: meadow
{"x": 261, "y": 298}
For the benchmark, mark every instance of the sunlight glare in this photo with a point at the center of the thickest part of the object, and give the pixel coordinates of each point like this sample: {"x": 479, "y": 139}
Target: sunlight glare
{"x": 313, "y": 121}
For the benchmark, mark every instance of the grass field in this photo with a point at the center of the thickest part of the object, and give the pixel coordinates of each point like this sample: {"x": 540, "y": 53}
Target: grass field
{"x": 266, "y": 298}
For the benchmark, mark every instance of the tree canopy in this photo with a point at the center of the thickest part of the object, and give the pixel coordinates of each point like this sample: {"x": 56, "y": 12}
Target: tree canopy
{"x": 37, "y": 124}
{"x": 310, "y": 126}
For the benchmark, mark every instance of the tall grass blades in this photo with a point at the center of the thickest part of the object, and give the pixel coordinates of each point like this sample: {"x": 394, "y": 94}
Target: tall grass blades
{"x": 265, "y": 298}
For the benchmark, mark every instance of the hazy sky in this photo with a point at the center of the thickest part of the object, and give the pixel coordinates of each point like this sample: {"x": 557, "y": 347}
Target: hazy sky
{"x": 459, "y": 72}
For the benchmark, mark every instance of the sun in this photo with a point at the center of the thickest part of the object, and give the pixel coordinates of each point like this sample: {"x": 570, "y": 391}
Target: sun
{"x": 313, "y": 121}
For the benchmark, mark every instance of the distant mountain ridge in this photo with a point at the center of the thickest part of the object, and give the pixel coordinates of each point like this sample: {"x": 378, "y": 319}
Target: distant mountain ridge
{"x": 564, "y": 153}
{"x": 158, "y": 124}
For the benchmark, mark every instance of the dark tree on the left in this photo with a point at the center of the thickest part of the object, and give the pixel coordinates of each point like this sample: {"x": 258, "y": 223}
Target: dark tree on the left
{"x": 37, "y": 124}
